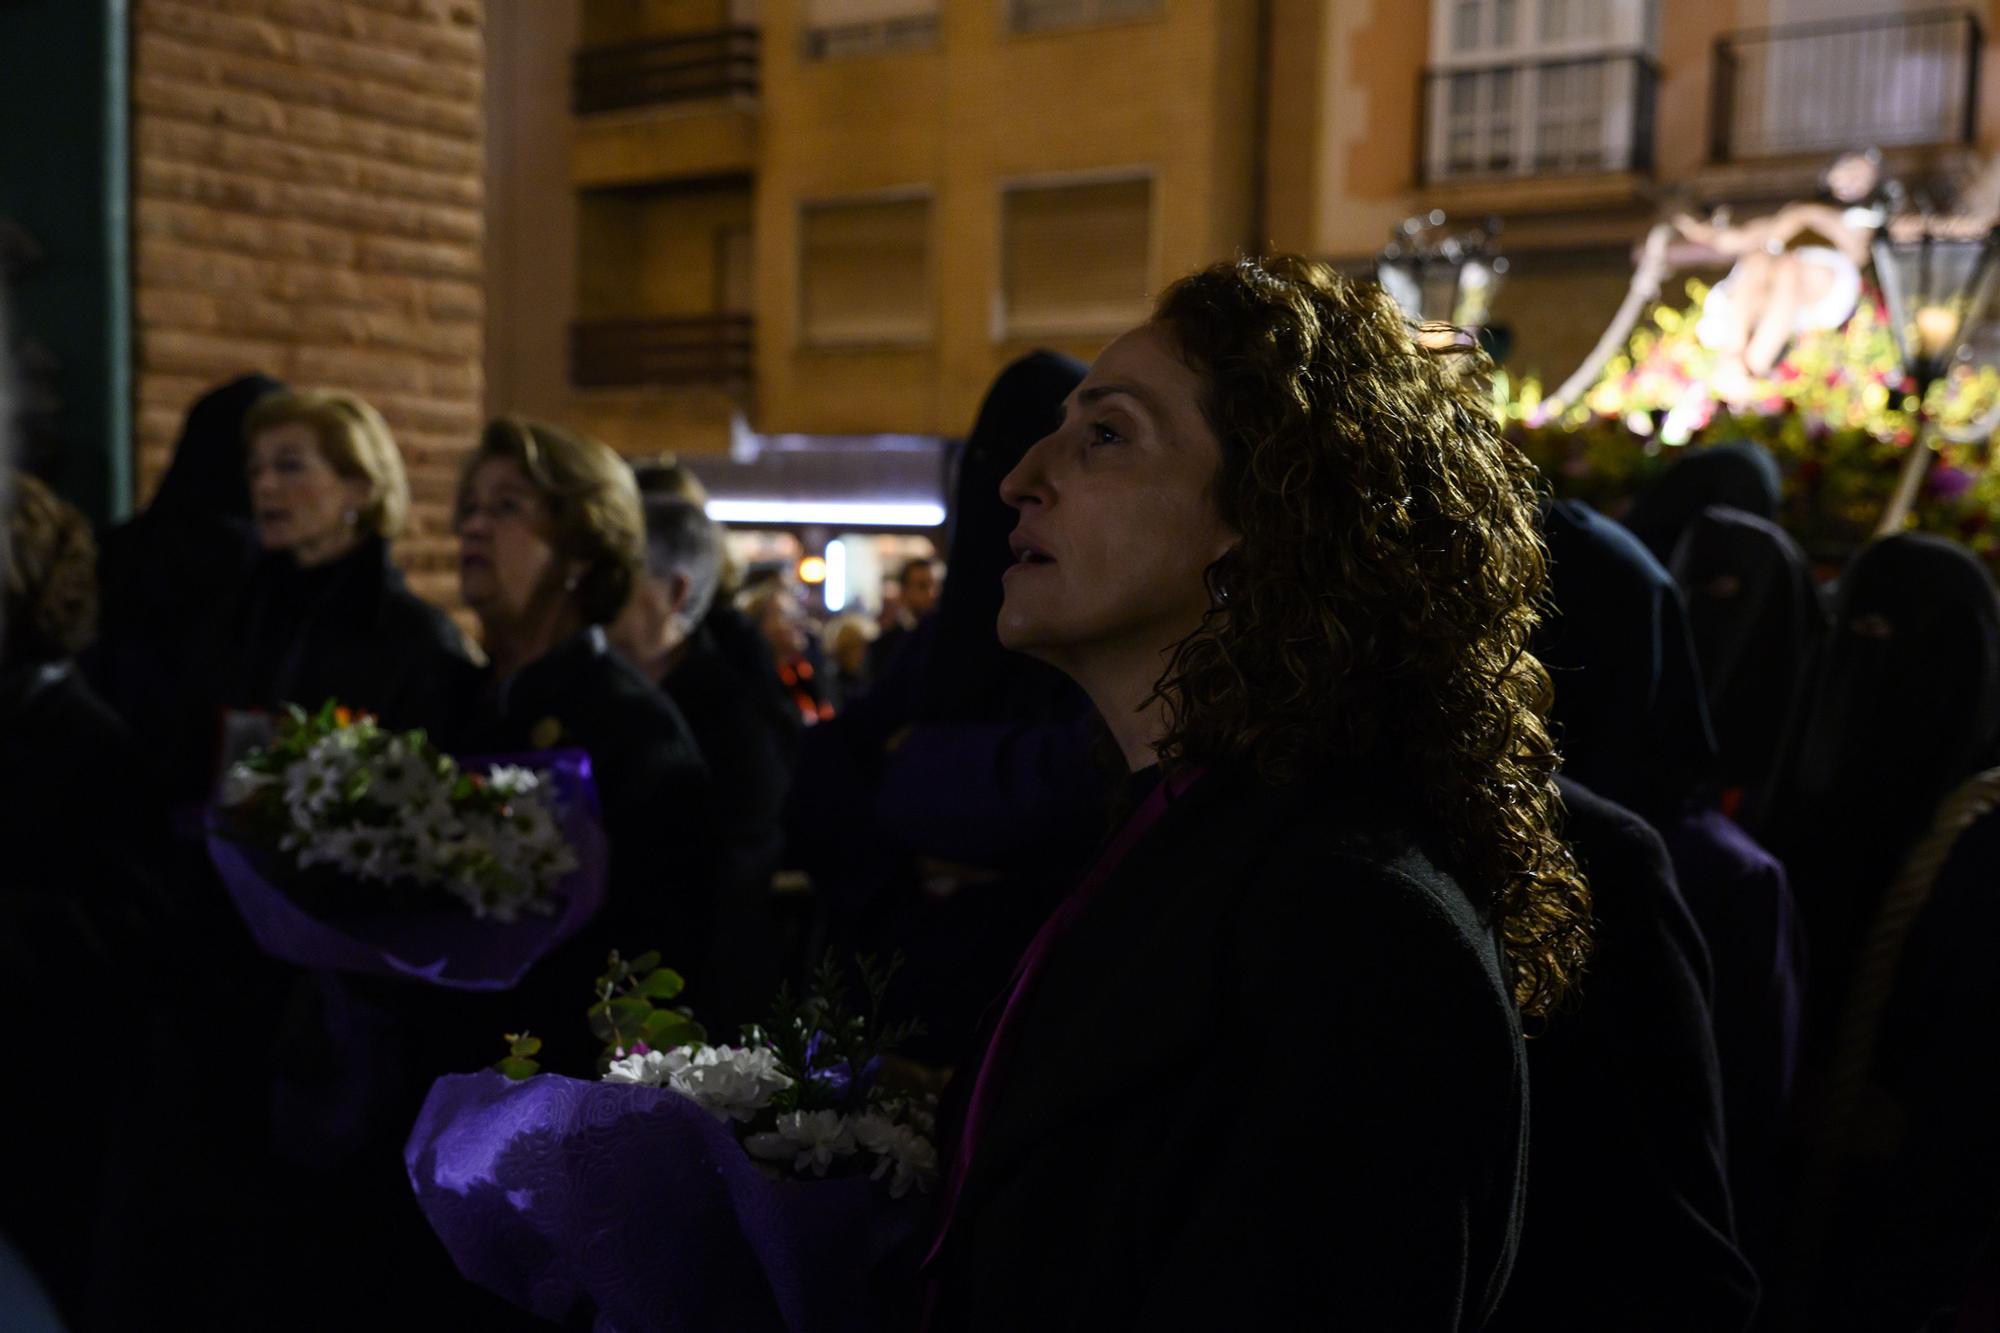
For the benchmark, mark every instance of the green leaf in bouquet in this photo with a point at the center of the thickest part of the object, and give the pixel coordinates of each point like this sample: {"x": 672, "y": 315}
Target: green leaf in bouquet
{"x": 645, "y": 962}
{"x": 664, "y": 1030}
{"x": 516, "y": 1068}
{"x": 523, "y": 1044}
{"x": 661, "y": 983}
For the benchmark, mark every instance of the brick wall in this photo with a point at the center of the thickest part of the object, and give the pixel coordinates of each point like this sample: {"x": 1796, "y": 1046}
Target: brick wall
{"x": 307, "y": 201}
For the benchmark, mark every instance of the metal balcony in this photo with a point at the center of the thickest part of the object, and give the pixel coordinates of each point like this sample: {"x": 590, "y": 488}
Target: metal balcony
{"x": 712, "y": 350}
{"x": 1898, "y": 80}
{"x": 692, "y": 67}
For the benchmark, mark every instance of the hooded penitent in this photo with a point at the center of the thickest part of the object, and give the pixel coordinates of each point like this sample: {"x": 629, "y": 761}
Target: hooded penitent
{"x": 1740, "y": 474}
{"x": 1905, "y": 704}
{"x": 1756, "y": 617}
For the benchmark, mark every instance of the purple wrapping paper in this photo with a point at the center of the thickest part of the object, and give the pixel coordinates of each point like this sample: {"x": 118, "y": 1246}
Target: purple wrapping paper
{"x": 557, "y": 1193}
{"x": 448, "y": 946}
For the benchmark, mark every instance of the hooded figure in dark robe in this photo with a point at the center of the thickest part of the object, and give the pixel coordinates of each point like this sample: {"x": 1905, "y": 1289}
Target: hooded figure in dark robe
{"x": 1632, "y": 726}
{"x": 165, "y": 576}
{"x": 1629, "y": 1221}
{"x": 1756, "y": 617}
{"x": 1904, "y": 705}
{"x": 972, "y": 798}
{"x": 1740, "y": 474}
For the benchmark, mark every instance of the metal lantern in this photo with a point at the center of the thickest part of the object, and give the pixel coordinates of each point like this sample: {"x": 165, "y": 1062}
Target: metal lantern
{"x": 1439, "y": 278}
{"x": 1937, "y": 280}
{"x": 1939, "y": 290}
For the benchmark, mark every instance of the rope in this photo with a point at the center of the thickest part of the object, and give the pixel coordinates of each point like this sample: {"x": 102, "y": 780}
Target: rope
{"x": 1876, "y": 971}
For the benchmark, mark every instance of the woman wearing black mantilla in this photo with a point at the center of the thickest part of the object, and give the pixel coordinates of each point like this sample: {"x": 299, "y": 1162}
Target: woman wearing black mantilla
{"x": 1265, "y": 1068}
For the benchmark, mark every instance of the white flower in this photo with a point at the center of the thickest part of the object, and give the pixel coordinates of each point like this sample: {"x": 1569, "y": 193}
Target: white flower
{"x": 398, "y": 776}
{"x": 812, "y": 1139}
{"x": 898, "y": 1149}
{"x": 242, "y": 783}
{"x": 512, "y": 780}
{"x": 654, "y": 1068}
{"x": 731, "y": 1082}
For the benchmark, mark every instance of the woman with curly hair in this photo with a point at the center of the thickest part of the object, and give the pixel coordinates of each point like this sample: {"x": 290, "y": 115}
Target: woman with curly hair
{"x": 1265, "y": 1067}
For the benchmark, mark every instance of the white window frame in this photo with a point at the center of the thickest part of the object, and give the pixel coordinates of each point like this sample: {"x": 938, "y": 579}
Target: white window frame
{"x": 1002, "y": 328}
{"x": 915, "y": 28}
{"x": 1630, "y": 29}
{"x": 902, "y": 194}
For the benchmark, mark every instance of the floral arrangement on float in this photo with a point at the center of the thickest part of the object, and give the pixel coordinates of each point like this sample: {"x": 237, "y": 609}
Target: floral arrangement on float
{"x": 1837, "y": 410}
{"x": 755, "y": 1186}
{"x": 352, "y": 848}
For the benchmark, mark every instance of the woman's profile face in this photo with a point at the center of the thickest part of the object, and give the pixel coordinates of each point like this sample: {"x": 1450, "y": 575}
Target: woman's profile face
{"x": 506, "y": 552}
{"x": 299, "y": 503}
{"x": 1117, "y": 522}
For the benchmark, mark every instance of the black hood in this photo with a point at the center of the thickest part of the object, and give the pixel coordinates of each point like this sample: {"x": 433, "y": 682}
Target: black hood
{"x": 1756, "y": 617}
{"x": 1740, "y": 474}
{"x": 1630, "y": 719}
{"x": 969, "y": 676}
{"x": 206, "y": 478}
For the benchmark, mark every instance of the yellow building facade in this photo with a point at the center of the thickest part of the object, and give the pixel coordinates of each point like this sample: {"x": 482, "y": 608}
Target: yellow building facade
{"x": 842, "y": 217}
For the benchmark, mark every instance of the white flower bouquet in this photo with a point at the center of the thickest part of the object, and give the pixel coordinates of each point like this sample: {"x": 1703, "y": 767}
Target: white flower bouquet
{"x": 752, "y": 1186}
{"x": 351, "y": 847}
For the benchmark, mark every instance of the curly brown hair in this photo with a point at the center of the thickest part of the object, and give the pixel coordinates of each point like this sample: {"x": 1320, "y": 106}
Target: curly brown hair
{"x": 50, "y": 584}
{"x": 1378, "y": 606}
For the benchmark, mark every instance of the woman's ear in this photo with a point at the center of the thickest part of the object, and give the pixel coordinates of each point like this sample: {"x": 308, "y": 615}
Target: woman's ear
{"x": 359, "y": 494}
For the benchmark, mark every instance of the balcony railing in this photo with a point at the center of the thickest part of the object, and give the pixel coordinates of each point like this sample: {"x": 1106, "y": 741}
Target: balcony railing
{"x": 1896, "y": 80}
{"x": 1562, "y": 116}
{"x": 720, "y": 63}
{"x": 684, "y": 350}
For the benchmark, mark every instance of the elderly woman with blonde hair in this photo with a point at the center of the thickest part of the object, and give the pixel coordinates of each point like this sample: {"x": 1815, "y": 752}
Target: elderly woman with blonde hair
{"x": 326, "y": 613}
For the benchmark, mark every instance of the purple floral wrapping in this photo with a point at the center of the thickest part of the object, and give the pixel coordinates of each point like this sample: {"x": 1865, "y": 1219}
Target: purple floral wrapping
{"x": 559, "y": 1194}
{"x": 448, "y": 946}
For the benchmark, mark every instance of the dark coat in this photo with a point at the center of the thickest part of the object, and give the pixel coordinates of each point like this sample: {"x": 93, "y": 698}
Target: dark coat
{"x": 1272, "y": 1078}
{"x": 84, "y": 828}
{"x": 350, "y": 630}
{"x": 1629, "y": 1223}
{"x": 749, "y": 749}
{"x": 654, "y": 789}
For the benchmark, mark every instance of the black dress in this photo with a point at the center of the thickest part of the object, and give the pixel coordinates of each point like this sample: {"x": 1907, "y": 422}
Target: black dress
{"x": 1629, "y": 1223}
{"x": 1272, "y": 1078}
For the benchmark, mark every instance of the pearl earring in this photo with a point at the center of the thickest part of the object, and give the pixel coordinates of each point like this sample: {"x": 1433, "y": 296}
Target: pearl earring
{"x": 569, "y": 584}
{"x": 352, "y": 517}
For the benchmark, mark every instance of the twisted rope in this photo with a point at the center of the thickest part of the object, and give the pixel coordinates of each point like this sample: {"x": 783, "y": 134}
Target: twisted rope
{"x": 1876, "y": 972}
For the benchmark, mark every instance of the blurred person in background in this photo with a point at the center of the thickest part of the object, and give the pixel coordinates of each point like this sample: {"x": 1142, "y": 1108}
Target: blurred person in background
{"x": 917, "y": 585}
{"x": 83, "y": 823}
{"x": 848, "y": 639}
{"x": 166, "y": 576}
{"x": 772, "y": 607}
{"x": 735, "y": 639}
{"x": 951, "y": 808}
{"x": 665, "y": 632}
